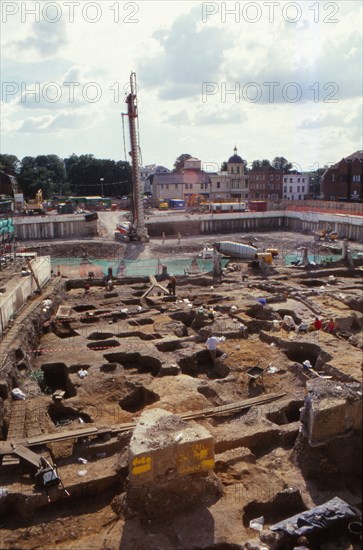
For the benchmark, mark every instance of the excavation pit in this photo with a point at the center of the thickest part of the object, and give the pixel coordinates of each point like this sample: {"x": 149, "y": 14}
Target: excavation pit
{"x": 286, "y": 415}
{"x": 172, "y": 345}
{"x": 141, "y": 322}
{"x": 83, "y": 307}
{"x": 139, "y": 334}
{"x": 63, "y": 416}
{"x": 100, "y": 335}
{"x": 95, "y": 346}
{"x": 312, "y": 283}
{"x": 301, "y": 353}
{"x": 138, "y": 400}
{"x": 284, "y": 504}
{"x": 143, "y": 364}
{"x": 56, "y": 378}
{"x": 64, "y": 331}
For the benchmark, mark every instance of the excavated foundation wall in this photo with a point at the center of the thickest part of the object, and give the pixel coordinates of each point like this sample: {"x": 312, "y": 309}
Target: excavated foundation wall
{"x": 20, "y": 288}
{"x": 54, "y": 227}
{"x": 350, "y": 227}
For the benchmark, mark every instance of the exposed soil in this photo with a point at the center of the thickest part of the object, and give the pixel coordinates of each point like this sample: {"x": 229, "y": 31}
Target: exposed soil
{"x": 142, "y": 353}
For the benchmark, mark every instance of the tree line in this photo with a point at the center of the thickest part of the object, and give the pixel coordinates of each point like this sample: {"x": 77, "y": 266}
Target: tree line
{"x": 74, "y": 175}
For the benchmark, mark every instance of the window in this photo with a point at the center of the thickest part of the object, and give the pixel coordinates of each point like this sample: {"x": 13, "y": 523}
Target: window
{"x": 285, "y": 180}
{"x": 356, "y": 178}
{"x": 298, "y": 180}
{"x": 333, "y": 178}
{"x": 290, "y": 180}
{"x": 303, "y": 180}
{"x": 277, "y": 177}
{"x": 285, "y": 189}
{"x": 237, "y": 169}
{"x": 299, "y": 197}
{"x": 162, "y": 186}
{"x": 167, "y": 186}
{"x": 271, "y": 178}
{"x": 298, "y": 188}
{"x": 218, "y": 184}
{"x": 290, "y": 191}
{"x": 303, "y": 189}
{"x": 277, "y": 186}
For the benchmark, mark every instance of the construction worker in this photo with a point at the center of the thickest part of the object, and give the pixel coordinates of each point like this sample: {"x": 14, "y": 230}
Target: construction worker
{"x": 211, "y": 345}
{"x": 171, "y": 286}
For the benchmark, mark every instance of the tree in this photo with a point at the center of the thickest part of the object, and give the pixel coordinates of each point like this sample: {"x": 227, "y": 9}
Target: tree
{"x": 89, "y": 176}
{"x": 280, "y": 163}
{"x": 45, "y": 172}
{"x": 179, "y": 163}
{"x": 224, "y": 166}
{"x": 258, "y": 164}
{"x": 9, "y": 164}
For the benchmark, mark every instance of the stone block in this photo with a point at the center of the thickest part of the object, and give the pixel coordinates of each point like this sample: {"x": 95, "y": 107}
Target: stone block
{"x": 164, "y": 446}
{"x": 330, "y": 410}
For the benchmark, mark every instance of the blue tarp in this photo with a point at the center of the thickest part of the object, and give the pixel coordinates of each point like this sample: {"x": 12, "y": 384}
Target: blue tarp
{"x": 317, "y": 519}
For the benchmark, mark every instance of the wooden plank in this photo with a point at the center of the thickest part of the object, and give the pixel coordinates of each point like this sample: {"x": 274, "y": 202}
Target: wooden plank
{"x": 231, "y": 408}
{"x": 69, "y": 434}
{"x": 27, "y": 455}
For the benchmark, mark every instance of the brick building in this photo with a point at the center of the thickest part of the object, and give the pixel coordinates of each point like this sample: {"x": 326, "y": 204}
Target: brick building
{"x": 265, "y": 183}
{"x": 344, "y": 180}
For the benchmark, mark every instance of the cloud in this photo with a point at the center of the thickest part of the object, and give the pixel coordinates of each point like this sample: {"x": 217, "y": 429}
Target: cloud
{"x": 61, "y": 121}
{"x": 206, "y": 116}
{"x": 188, "y": 55}
{"x": 45, "y": 39}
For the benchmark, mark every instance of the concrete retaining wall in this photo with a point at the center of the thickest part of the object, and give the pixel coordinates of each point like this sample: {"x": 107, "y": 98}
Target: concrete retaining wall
{"x": 19, "y": 288}
{"x": 54, "y": 227}
{"x": 194, "y": 224}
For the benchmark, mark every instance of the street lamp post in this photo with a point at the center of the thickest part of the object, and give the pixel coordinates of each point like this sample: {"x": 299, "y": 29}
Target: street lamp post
{"x": 102, "y": 180}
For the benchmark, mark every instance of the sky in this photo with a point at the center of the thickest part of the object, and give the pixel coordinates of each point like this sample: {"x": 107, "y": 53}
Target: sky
{"x": 273, "y": 78}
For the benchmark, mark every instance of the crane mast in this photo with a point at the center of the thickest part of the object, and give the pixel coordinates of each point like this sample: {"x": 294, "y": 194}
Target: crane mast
{"x": 138, "y": 229}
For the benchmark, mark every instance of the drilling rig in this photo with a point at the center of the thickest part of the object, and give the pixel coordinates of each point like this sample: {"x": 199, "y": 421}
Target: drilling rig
{"x": 137, "y": 231}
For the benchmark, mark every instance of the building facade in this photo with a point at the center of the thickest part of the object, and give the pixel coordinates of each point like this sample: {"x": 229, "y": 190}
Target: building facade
{"x": 150, "y": 170}
{"x": 344, "y": 180}
{"x": 191, "y": 180}
{"x": 295, "y": 186}
{"x": 266, "y": 183}
{"x": 231, "y": 184}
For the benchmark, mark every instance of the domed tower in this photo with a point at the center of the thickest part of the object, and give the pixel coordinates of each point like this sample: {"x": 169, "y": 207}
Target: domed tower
{"x": 235, "y": 164}
{"x": 238, "y": 180}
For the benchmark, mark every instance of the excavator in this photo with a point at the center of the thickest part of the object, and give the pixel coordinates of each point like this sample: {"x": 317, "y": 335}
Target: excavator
{"x": 196, "y": 200}
{"x": 326, "y": 235}
{"x": 35, "y": 206}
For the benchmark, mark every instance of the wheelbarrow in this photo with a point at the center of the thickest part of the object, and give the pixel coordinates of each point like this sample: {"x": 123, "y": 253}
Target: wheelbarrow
{"x": 255, "y": 373}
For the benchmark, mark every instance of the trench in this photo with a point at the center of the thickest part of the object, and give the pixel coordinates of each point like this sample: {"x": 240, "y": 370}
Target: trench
{"x": 134, "y": 360}
{"x": 139, "y": 334}
{"x": 83, "y": 307}
{"x": 100, "y": 335}
{"x": 141, "y": 322}
{"x": 95, "y": 346}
